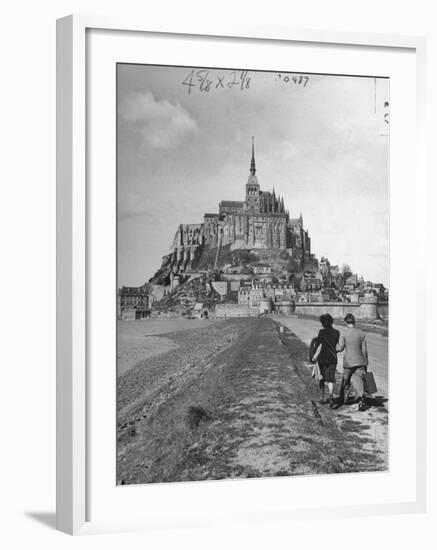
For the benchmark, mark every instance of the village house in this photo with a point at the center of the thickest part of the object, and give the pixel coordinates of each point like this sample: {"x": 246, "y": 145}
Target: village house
{"x": 133, "y": 303}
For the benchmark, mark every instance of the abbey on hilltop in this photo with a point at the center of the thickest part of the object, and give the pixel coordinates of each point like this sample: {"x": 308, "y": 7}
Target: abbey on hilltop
{"x": 249, "y": 258}
{"x": 261, "y": 221}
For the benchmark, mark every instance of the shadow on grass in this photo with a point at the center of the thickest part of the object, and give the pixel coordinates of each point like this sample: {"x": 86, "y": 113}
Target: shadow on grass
{"x": 376, "y": 401}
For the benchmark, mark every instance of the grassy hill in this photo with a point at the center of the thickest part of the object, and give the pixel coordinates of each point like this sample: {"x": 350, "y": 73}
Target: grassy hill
{"x": 226, "y": 256}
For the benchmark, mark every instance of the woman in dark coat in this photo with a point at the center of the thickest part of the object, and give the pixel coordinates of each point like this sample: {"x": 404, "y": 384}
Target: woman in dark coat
{"x": 328, "y": 337}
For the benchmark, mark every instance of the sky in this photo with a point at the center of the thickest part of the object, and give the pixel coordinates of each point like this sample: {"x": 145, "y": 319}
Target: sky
{"x": 184, "y": 144}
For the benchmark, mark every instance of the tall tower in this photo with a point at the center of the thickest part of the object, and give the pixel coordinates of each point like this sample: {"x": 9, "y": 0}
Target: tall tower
{"x": 252, "y": 162}
{"x": 252, "y": 185}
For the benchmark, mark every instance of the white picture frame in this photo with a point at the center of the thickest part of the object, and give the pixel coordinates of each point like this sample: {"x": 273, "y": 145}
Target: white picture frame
{"x": 72, "y": 261}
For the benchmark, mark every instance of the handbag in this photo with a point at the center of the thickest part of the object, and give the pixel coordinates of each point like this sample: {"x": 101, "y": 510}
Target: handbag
{"x": 369, "y": 383}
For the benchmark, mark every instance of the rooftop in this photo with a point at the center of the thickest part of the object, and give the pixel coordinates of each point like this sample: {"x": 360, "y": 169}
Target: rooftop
{"x": 232, "y": 203}
{"x": 132, "y": 291}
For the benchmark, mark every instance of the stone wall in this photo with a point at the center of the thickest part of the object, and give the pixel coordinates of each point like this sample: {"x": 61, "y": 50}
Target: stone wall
{"x": 265, "y": 305}
{"x": 235, "y": 286}
{"x": 158, "y": 292}
{"x": 383, "y": 310}
{"x": 285, "y": 307}
{"x": 128, "y": 313}
{"x": 235, "y": 276}
{"x": 364, "y": 310}
{"x": 235, "y": 310}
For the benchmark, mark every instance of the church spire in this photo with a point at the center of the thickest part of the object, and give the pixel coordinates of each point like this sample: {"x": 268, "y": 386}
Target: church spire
{"x": 252, "y": 162}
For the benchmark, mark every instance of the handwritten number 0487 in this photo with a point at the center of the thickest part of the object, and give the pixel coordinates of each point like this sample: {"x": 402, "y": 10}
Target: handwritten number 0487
{"x": 296, "y": 79}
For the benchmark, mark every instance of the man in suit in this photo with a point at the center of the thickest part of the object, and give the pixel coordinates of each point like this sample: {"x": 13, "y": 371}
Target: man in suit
{"x": 355, "y": 361}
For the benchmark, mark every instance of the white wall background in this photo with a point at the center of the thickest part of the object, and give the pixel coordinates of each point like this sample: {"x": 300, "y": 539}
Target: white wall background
{"x": 27, "y": 218}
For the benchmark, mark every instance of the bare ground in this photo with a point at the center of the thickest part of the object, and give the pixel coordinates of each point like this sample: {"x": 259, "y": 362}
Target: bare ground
{"x": 137, "y": 341}
{"x": 233, "y": 400}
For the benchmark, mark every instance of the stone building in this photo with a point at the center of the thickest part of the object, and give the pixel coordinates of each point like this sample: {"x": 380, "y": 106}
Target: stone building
{"x": 260, "y": 221}
{"x": 251, "y": 295}
{"x": 133, "y": 303}
{"x": 258, "y": 294}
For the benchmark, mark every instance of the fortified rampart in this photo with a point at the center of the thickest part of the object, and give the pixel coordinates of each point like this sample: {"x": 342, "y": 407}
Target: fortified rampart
{"x": 383, "y": 310}
{"x": 235, "y": 310}
{"x": 365, "y": 309}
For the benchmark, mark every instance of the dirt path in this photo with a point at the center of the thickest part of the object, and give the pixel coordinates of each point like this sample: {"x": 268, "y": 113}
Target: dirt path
{"x": 237, "y": 402}
{"x": 375, "y": 419}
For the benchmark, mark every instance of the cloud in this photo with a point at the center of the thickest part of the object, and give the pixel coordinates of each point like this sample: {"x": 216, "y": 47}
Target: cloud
{"x": 160, "y": 123}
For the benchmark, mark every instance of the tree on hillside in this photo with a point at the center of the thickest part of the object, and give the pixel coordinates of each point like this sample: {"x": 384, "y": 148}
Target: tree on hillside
{"x": 346, "y": 271}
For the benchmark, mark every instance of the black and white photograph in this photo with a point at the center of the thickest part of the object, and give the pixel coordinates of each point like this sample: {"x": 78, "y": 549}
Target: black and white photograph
{"x": 224, "y": 215}
{"x": 252, "y": 274}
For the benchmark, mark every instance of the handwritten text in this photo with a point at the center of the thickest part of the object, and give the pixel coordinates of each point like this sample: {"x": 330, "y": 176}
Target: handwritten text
{"x": 298, "y": 79}
{"x": 203, "y": 80}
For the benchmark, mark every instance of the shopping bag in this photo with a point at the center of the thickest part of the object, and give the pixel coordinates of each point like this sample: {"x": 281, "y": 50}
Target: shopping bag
{"x": 316, "y": 355}
{"x": 316, "y": 374}
{"x": 314, "y": 350}
{"x": 369, "y": 383}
